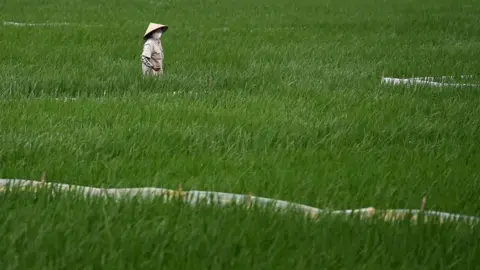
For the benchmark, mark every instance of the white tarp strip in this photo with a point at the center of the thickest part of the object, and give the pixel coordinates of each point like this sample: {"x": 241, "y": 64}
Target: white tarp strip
{"x": 193, "y": 197}
{"x": 52, "y": 24}
{"x": 429, "y": 81}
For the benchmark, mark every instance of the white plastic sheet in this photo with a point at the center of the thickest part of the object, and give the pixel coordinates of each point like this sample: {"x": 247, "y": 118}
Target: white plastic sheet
{"x": 430, "y": 81}
{"x": 219, "y": 198}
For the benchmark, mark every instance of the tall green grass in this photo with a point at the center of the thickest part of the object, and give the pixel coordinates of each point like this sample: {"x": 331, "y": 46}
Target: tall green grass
{"x": 42, "y": 232}
{"x": 278, "y": 98}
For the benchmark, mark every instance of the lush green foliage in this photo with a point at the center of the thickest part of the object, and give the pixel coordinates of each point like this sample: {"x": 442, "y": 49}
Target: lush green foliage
{"x": 278, "y": 98}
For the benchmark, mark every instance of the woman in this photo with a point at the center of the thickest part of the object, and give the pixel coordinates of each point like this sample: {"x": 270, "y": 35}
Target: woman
{"x": 152, "y": 55}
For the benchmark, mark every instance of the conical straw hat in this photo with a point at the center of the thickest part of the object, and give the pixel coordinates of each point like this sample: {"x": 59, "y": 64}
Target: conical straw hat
{"x": 154, "y": 26}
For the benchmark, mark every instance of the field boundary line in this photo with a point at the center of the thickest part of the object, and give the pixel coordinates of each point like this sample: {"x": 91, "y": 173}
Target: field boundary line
{"x": 102, "y": 98}
{"x": 430, "y": 81}
{"x": 196, "y": 196}
{"x": 54, "y": 24}
{"x": 214, "y": 29}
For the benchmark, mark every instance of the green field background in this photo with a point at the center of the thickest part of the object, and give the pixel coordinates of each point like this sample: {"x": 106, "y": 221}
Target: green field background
{"x": 279, "y": 98}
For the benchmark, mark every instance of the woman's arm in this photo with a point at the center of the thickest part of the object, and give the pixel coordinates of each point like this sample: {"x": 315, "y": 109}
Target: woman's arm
{"x": 146, "y": 61}
{"x": 147, "y": 54}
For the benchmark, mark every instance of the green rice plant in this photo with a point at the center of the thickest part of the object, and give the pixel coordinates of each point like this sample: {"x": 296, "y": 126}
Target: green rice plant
{"x": 282, "y": 99}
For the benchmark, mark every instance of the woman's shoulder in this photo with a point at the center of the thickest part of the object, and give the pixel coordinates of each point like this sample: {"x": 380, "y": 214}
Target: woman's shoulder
{"x": 149, "y": 41}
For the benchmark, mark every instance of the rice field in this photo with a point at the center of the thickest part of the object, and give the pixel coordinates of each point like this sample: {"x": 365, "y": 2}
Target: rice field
{"x": 280, "y": 99}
